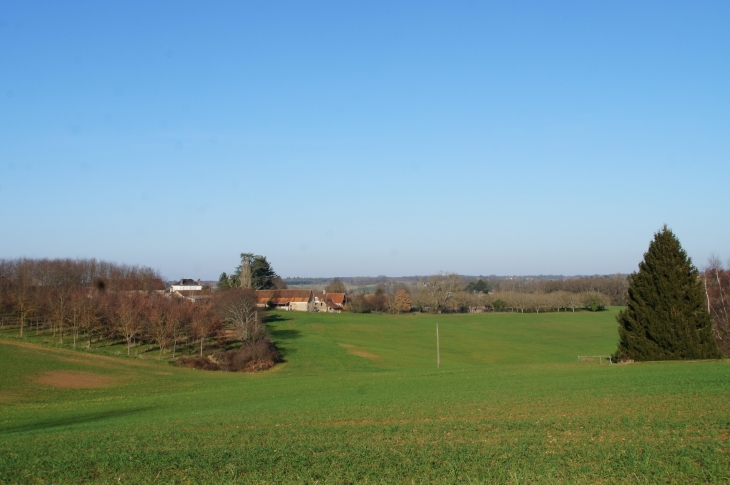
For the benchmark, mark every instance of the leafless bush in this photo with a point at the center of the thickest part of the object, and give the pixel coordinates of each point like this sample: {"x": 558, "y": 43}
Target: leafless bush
{"x": 358, "y": 304}
{"x": 261, "y": 355}
{"x": 258, "y": 356}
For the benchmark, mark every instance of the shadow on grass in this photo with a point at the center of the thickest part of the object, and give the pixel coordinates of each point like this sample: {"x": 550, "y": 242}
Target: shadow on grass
{"x": 285, "y": 334}
{"x": 281, "y": 337}
{"x": 71, "y": 420}
{"x": 271, "y": 318}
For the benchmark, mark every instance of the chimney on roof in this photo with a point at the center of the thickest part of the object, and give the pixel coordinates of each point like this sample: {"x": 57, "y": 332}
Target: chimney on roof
{"x": 181, "y": 282}
{"x": 198, "y": 281}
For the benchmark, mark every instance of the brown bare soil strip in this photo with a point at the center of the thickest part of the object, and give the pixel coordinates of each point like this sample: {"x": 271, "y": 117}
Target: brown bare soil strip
{"x": 91, "y": 362}
{"x": 353, "y": 349}
{"x": 74, "y": 380}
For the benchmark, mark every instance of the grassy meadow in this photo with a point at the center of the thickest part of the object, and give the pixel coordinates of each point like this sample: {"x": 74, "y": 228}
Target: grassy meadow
{"x": 360, "y": 400}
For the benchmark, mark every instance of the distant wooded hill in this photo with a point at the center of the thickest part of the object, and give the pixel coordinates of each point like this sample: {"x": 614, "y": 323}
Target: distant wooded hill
{"x": 374, "y": 280}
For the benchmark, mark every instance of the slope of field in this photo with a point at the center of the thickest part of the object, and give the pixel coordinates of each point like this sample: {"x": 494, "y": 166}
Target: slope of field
{"x": 360, "y": 400}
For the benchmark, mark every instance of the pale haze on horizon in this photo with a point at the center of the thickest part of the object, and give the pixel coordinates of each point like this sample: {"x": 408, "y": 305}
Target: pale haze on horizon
{"x": 379, "y": 138}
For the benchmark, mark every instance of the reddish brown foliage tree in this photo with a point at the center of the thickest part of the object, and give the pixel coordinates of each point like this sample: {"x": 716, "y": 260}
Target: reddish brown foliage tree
{"x": 402, "y": 302}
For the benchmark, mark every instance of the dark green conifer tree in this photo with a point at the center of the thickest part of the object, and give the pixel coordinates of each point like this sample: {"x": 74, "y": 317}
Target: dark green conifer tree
{"x": 667, "y": 316}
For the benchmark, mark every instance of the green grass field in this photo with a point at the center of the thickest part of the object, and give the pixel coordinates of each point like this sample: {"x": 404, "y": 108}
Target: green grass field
{"x": 360, "y": 400}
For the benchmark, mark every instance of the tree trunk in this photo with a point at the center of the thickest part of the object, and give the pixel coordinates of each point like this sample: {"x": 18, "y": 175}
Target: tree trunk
{"x": 707, "y": 294}
{"x": 722, "y": 295}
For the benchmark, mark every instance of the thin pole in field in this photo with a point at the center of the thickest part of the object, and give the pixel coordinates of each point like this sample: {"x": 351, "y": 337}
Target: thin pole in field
{"x": 438, "y": 349}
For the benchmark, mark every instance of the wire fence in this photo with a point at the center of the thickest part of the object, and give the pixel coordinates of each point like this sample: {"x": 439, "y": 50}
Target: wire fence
{"x": 593, "y": 358}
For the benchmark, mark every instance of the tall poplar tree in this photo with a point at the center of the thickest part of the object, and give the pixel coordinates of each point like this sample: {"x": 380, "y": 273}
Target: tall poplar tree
{"x": 667, "y": 316}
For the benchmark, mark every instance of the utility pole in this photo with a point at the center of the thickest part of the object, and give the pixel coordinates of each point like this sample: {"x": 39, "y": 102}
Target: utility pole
{"x": 438, "y": 348}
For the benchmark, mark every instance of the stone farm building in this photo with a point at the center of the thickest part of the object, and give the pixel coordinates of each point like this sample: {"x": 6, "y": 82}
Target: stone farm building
{"x": 186, "y": 284}
{"x": 329, "y": 302}
{"x": 296, "y": 300}
{"x": 301, "y": 300}
{"x": 190, "y": 290}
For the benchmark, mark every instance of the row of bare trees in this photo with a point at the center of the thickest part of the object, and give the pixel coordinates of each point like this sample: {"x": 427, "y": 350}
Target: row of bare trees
{"x": 71, "y": 314}
{"x": 515, "y": 301}
{"x": 75, "y": 299}
{"x": 445, "y": 293}
{"x": 105, "y": 303}
{"x": 615, "y": 287}
{"x": 448, "y": 293}
{"x": 70, "y": 272}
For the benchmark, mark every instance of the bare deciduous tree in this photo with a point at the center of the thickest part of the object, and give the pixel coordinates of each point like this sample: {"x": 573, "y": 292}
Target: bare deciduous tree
{"x": 436, "y": 292}
{"x": 203, "y": 324}
{"x": 90, "y": 318}
{"x": 157, "y": 316}
{"x": 717, "y": 291}
{"x": 336, "y": 286}
{"x": 539, "y": 301}
{"x": 129, "y": 323}
{"x": 237, "y": 307}
{"x": 76, "y": 303}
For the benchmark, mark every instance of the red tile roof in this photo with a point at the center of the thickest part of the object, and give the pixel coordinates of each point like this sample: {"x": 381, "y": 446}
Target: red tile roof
{"x": 282, "y": 297}
{"x": 337, "y": 298}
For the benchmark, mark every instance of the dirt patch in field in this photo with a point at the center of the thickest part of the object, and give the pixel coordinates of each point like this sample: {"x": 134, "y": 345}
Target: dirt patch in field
{"x": 354, "y": 350}
{"x": 74, "y": 380}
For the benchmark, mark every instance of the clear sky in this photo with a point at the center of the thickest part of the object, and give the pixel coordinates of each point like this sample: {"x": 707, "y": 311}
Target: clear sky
{"x": 366, "y": 138}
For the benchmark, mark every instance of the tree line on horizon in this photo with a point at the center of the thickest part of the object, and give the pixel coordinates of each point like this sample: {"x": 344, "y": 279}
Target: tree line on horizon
{"x": 450, "y": 293}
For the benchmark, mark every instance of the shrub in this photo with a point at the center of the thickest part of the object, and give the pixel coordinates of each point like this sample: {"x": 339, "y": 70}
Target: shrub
{"x": 595, "y": 301}
{"x": 358, "y": 304}
{"x": 499, "y": 305}
{"x": 261, "y": 355}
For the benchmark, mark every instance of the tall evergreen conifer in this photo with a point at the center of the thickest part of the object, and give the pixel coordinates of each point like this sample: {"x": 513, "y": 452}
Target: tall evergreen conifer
{"x": 667, "y": 316}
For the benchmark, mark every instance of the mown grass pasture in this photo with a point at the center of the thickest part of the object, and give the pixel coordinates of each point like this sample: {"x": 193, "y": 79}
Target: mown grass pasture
{"x": 360, "y": 400}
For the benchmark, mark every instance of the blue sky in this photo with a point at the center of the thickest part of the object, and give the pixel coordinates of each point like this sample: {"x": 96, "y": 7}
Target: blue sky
{"x": 362, "y": 139}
